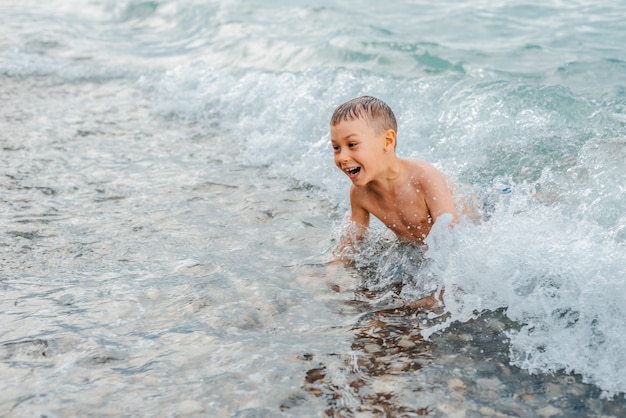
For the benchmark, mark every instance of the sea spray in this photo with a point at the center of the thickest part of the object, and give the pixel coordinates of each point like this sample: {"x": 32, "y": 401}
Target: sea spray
{"x": 561, "y": 281}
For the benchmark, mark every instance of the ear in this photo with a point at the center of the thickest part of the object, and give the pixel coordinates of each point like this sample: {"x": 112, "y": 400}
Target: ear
{"x": 390, "y": 140}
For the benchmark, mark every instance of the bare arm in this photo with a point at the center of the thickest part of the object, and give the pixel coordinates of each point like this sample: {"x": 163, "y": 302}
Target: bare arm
{"x": 438, "y": 194}
{"x": 360, "y": 216}
{"x": 355, "y": 232}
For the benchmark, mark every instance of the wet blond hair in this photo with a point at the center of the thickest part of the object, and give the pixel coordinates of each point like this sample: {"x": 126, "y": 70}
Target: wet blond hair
{"x": 373, "y": 110}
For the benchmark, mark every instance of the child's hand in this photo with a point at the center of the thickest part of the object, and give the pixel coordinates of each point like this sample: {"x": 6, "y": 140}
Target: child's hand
{"x": 336, "y": 278}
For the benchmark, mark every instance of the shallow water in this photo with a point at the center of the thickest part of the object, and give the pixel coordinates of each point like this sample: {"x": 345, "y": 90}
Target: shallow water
{"x": 169, "y": 206}
{"x": 128, "y": 273}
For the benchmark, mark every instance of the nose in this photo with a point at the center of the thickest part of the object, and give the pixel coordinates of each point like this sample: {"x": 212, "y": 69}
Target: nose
{"x": 342, "y": 155}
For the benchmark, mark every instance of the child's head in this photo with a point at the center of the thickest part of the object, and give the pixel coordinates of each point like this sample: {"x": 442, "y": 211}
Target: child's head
{"x": 363, "y": 136}
{"x": 374, "y": 111}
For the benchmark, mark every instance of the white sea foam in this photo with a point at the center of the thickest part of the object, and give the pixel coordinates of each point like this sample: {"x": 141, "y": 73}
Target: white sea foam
{"x": 561, "y": 280}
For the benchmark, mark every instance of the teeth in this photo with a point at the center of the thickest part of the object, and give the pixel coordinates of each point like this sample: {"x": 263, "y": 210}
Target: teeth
{"x": 352, "y": 170}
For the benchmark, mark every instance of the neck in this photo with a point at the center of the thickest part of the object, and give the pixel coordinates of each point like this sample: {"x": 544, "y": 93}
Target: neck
{"x": 389, "y": 179}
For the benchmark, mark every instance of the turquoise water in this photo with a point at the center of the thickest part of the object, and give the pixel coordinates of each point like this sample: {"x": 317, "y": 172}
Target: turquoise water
{"x": 169, "y": 204}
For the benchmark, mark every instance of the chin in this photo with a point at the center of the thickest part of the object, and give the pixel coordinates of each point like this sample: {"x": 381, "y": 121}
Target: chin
{"x": 359, "y": 182}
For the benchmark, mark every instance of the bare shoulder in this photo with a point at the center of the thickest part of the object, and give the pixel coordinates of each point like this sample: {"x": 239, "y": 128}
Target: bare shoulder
{"x": 423, "y": 172}
{"x": 357, "y": 194}
{"x": 429, "y": 179}
{"x": 359, "y": 197}
{"x": 437, "y": 188}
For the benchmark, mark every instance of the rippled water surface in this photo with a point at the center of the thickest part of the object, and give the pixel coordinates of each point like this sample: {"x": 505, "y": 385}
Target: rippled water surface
{"x": 169, "y": 209}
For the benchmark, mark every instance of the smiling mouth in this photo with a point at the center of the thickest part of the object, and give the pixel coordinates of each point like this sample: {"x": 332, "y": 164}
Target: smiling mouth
{"x": 353, "y": 171}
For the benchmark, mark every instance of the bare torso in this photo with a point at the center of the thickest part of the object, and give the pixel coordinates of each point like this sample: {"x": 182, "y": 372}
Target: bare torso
{"x": 405, "y": 212}
{"x": 409, "y": 203}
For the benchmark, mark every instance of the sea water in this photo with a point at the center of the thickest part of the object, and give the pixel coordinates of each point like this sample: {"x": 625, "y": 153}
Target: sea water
{"x": 170, "y": 206}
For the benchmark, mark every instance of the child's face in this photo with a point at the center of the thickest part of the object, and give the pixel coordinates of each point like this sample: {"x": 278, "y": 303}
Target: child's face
{"x": 359, "y": 150}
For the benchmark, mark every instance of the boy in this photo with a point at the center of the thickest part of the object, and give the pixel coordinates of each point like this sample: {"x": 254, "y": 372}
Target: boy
{"x": 408, "y": 196}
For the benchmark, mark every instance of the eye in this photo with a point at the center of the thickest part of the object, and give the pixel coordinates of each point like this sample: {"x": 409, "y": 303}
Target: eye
{"x": 352, "y": 144}
{"x": 336, "y": 147}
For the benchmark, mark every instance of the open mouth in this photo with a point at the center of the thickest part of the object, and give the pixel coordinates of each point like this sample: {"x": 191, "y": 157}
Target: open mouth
{"x": 353, "y": 171}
